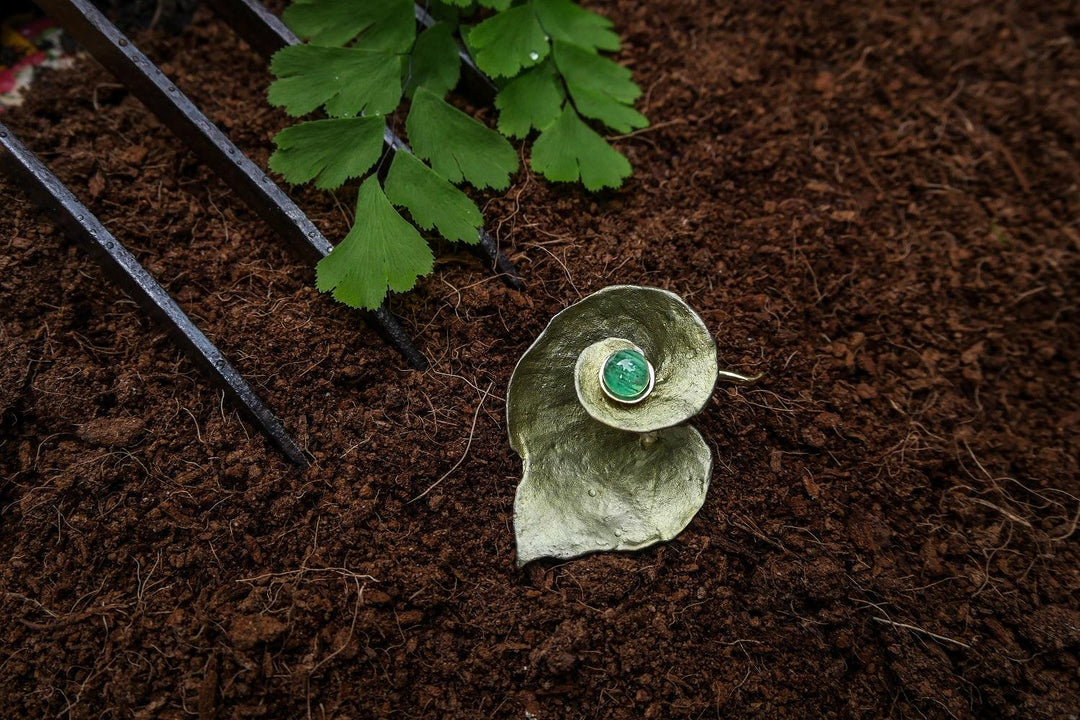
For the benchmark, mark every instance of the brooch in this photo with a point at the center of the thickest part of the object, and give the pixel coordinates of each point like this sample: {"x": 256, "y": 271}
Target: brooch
{"x": 596, "y": 409}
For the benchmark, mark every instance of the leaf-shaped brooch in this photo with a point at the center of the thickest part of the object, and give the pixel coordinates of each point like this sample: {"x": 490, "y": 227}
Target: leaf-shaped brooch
{"x": 595, "y": 409}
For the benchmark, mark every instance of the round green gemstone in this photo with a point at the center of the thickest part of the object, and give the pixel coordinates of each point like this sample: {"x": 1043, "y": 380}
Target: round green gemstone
{"x": 626, "y": 375}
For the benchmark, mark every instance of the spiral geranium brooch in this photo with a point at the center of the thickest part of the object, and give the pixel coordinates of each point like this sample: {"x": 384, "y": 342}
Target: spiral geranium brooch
{"x": 596, "y": 409}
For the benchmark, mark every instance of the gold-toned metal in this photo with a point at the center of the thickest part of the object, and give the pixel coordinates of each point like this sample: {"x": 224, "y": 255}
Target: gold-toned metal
{"x": 734, "y": 377}
{"x": 601, "y": 475}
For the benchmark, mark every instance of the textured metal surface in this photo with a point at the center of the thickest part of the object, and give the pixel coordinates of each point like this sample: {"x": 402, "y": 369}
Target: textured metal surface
{"x": 605, "y": 476}
{"x": 672, "y": 337}
{"x": 121, "y": 58}
{"x": 267, "y": 34}
{"x": 122, "y": 267}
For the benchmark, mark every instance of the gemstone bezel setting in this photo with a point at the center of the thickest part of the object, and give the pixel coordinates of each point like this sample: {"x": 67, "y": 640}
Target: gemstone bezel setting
{"x": 644, "y": 393}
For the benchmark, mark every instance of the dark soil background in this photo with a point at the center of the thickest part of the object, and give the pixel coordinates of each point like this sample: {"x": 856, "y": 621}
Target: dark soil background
{"x": 876, "y": 204}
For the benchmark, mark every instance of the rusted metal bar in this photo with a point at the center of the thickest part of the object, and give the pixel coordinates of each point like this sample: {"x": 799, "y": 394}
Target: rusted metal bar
{"x": 122, "y": 267}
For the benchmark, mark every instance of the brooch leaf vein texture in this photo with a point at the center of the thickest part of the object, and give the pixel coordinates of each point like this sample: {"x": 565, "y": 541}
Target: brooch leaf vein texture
{"x": 596, "y": 409}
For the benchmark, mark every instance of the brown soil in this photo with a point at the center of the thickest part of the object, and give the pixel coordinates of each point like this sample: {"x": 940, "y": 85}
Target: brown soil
{"x": 875, "y": 204}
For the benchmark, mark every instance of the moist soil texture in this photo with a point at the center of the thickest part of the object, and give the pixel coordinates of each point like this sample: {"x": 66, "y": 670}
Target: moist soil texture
{"x": 875, "y": 204}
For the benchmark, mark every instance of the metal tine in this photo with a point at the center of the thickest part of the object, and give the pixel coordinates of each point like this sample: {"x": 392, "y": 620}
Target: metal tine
{"x": 267, "y": 34}
{"x": 122, "y": 267}
{"x": 121, "y": 58}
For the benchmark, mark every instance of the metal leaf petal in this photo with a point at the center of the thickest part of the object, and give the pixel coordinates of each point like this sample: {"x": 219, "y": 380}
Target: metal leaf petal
{"x": 605, "y": 489}
{"x": 673, "y": 337}
{"x": 599, "y": 475}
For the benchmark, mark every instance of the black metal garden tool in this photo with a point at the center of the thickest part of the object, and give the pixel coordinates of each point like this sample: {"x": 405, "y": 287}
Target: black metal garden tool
{"x": 122, "y": 267}
{"x": 120, "y": 57}
{"x": 118, "y": 54}
{"x": 267, "y": 34}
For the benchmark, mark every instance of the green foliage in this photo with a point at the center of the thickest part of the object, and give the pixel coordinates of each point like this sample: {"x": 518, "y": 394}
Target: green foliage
{"x": 601, "y": 89}
{"x": 533, "y": 99}
{"x": 386, "y": 24}
{"x": 346, "y": 81}
{"x": 432, "y": 200}
{"x": 507, "y": 42}
{"x": 383, "y": 250}
{"x": 458, "y": 147}
{"x": 569, "y": 149}
{"x": 565, "y": 21}
{"x": 576, "y": 79}
{"x": 493, "y": 4}
{"x": 364, "y": 57}
{"x": 434, "y": 63}
{"x": 328, "y": 151}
